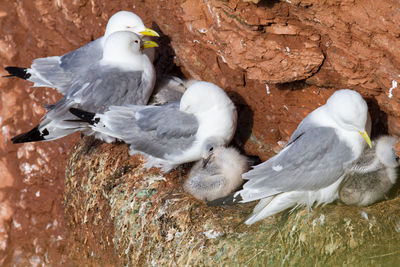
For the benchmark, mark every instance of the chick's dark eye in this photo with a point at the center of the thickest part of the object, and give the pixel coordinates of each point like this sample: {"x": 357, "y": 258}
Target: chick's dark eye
{"x": 211, "y": 149}
{"x": 136, "y": 41}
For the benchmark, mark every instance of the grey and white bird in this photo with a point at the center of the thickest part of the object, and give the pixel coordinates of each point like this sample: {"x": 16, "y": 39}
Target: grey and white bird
{"x": 218, "y": 174}
{"x": 61, "y": 71}
{"x": 171, "y": 134}
{"x": 123, "y": 76}
{"x": 372, "y": 175}
{"x": 169, "y": 89}
{"x": 311, "y": 166}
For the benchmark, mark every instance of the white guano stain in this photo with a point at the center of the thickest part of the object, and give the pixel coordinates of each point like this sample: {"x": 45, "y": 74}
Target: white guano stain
{"x": 364, "y": 215}
{"x": 212, "y": 234}
{"x": 394, "y": 86}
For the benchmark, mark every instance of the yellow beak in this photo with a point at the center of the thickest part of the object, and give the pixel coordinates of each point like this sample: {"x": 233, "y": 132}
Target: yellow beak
{"x": 366, "y": 137}
{"x": 150, "y": 32}
{"x": 148, "y": 44}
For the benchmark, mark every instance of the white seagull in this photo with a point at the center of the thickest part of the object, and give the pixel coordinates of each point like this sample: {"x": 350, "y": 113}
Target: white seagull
{"x": 372, "y": 175}
{"x": 123, "y": 76}
{"x": 311, "y": 166}
{"x": 217, "y": 175}
{"x": 171, "y": 134}
{"x": 60, "y": 71}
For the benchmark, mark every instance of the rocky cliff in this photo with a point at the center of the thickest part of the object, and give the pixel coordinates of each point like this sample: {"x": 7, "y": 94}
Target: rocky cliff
{"x": 278, "y": 60}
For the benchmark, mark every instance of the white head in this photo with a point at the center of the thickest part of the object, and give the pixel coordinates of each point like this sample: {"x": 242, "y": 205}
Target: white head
{"x": 385, "y": 151}
{"x": 349, "y": 110}
{"x": 127, "y": 21}
{"x": 210, "y": 146}
{"x": 122, "y": 45}
{"x": 203, "y": 96}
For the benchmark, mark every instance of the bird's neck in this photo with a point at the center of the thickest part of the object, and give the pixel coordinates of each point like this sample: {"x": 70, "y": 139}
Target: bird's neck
{"x": 128, "y": 62}
{"x": 219, "y": 121}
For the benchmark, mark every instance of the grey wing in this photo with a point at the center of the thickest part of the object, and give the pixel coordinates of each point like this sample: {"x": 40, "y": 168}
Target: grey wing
{"x": 313, "y": 160}
{"x": 82, "y": 57}
{"x": 102, "y": 87}
{"x": 157, "y": 131}
{"x": 60, "y": 72}
{"x": 93, "y": 92}
{"x": 167, "y": 121}
{"x": 303, "y": 127}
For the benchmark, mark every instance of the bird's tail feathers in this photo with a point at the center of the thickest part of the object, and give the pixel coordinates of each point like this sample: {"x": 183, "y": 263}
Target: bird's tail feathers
{"x": 33, "y": 135}
{"x": 17, "y": 72}
{"x": 50, "y": 130}
{"x": 271, "y": 205}
{"x": 85, "y": 116}
{"x": 97, "y": 124}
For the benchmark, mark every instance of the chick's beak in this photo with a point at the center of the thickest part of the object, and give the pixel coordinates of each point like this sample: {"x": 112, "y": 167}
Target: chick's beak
{"x": 366, "y": 138}
{"x": 206, "y": 160}
{"x": 148, "y": 44}
{"x": 150, "y": 32}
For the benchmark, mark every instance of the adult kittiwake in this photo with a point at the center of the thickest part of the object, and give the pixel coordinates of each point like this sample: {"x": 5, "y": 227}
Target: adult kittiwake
{"x": 311, "y": 166}
{"x": 123, "y": 76}
{"x": 61, "y": 71}
{"x": 372, "y": 175}
{"x": 171, "y": 134}
{"x": 217, "y": 175}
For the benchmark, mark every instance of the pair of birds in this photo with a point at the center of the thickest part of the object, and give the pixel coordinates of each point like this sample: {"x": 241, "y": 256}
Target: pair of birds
{"x": 112, "y": 70}
{"x": 112, "y": 75}
{"x": 109, "y": 98}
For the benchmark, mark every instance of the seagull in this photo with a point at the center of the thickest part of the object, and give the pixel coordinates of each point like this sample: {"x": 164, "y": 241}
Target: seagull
{"x": 61, "y": 71}
{"x": 372, "y": 175}
{"x": 171, "y": 134}
{"x": 217, "y": 175}
{"x": 123, "y": 76}
{"x": 311, "y": 166}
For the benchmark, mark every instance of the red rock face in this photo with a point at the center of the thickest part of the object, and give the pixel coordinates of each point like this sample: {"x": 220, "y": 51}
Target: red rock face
{"x": 277, "y": 60}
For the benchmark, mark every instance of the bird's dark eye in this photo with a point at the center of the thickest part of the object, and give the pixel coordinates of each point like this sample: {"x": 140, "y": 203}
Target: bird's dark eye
{"x": 211, "y": 149}
{"x": 136, "y": 41}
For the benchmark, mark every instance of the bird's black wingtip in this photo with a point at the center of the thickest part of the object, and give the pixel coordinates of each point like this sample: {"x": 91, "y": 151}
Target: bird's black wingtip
{"x": 33, "y": 135}
{"x": 228, "y": 200}
{"x": 17, "y": 72}
{"x": 85, "y": 115}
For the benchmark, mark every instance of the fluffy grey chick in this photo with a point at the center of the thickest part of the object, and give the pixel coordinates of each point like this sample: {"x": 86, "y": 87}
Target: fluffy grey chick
{"x": 217, "y": 175}
{"x": 169, "y": 89}
{"x": 373, "y": 174}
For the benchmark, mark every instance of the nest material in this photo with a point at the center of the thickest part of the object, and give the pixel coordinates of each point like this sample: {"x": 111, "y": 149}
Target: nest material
{"x": 147, "y": 220}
